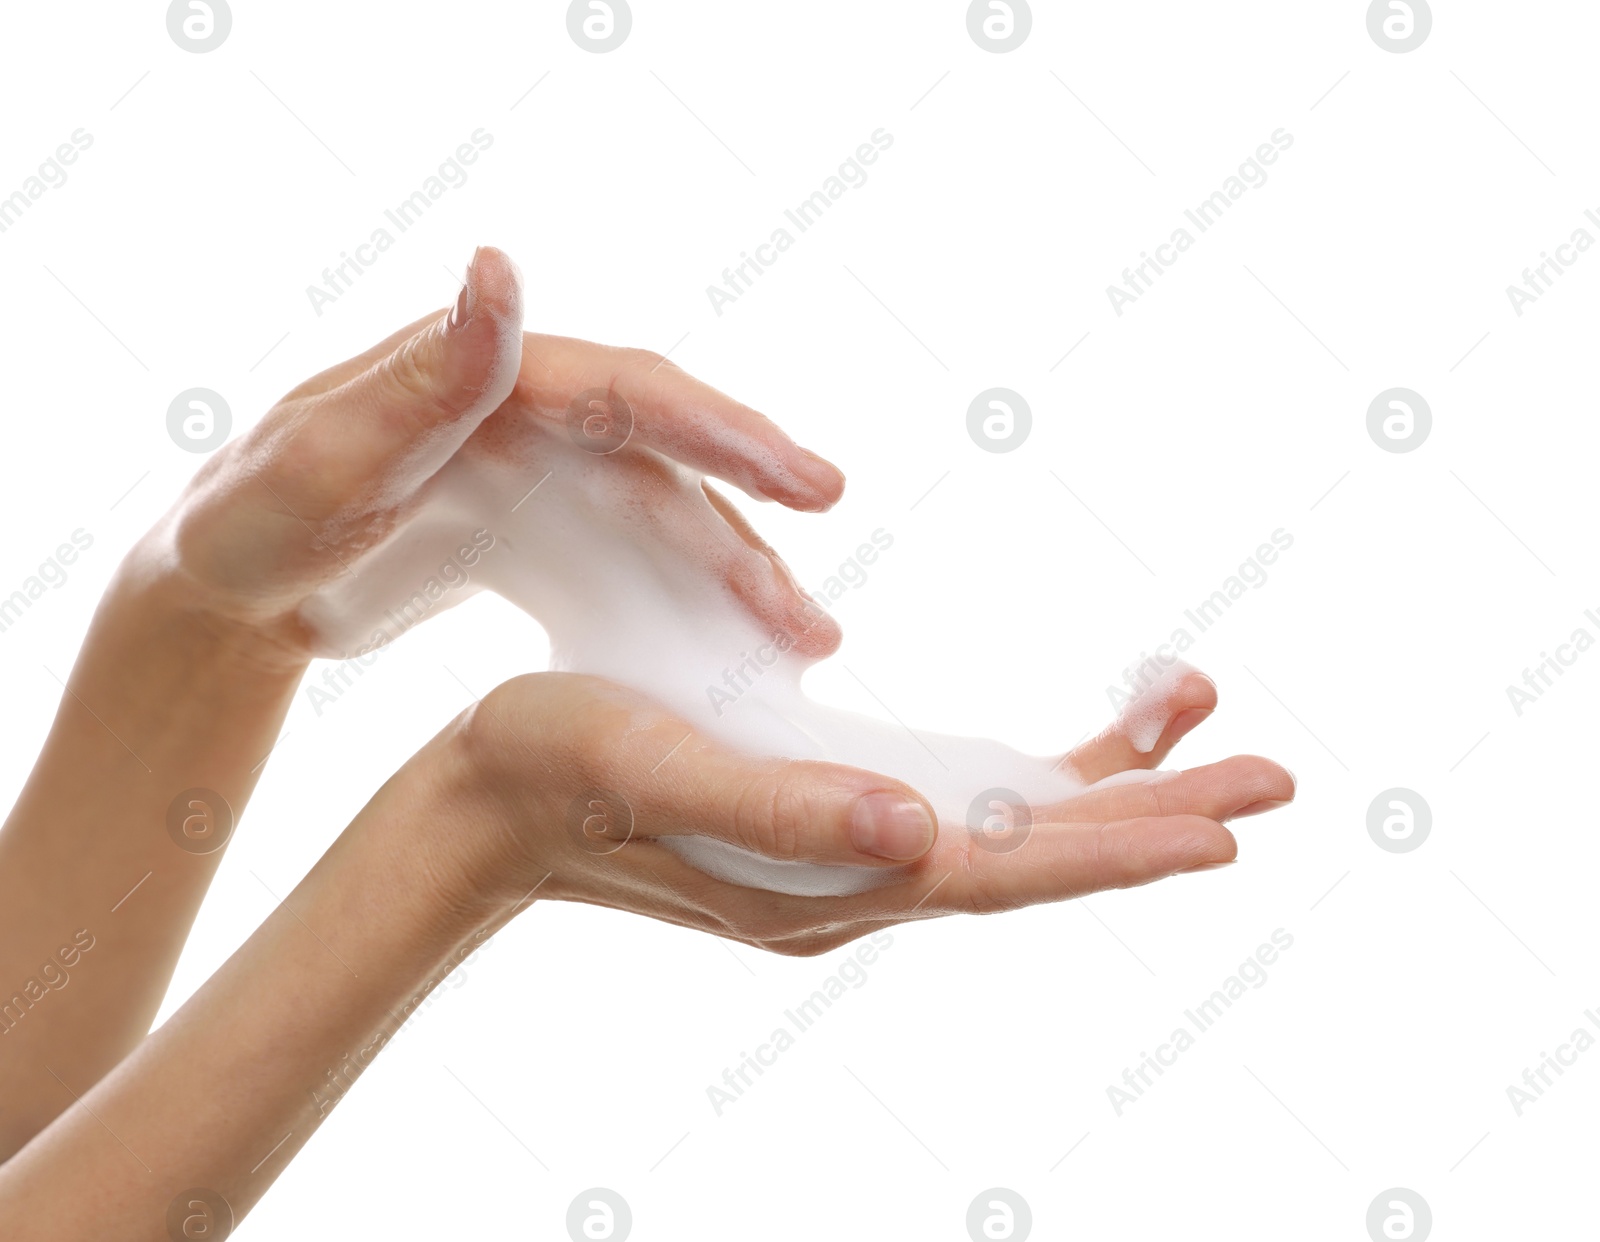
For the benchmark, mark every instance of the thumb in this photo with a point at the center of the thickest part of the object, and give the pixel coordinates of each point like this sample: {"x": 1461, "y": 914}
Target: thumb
{"x": 394, "y": 423}
{"x": 798, "y": 810}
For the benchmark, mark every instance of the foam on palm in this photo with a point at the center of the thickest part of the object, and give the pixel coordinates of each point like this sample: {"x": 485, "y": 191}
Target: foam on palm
{"x": 617, "y": 557}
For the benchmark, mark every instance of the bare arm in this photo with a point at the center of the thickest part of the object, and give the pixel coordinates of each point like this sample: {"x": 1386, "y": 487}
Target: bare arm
{"x": 222, "y": 1097}
{"x": 194, "y": 655}
{"x": 225, "y": 1093}
{"x": 96, "y": 896}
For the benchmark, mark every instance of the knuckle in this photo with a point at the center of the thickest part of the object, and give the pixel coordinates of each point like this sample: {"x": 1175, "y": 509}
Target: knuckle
{"x": 648, "y": 360}
{"x": 772, "y": 814}
{"x": 1110, "y": 859}
{"x": 970, "y": 880}
{"x": 298, "y": 457}
{"x": 480, "y": 738}
{"x": 497, "y": 732}
{"x": 406, "y": 374}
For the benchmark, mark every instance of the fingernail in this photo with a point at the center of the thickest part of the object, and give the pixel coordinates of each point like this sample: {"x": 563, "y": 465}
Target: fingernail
{"x": 888, "y": 825}
{"x": 1211, "y": 866}
{"x": 462, "y": 310}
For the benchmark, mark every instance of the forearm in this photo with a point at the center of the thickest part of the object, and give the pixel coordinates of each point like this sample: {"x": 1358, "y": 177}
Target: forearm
{"x": 227, "y": 1091}
{"x": 160, "y": 702}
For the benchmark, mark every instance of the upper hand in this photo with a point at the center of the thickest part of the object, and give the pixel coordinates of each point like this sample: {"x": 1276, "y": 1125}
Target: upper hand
{"x": 345, "y": 459}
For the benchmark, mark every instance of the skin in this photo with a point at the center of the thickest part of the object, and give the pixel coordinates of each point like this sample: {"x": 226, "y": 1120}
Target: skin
{"x": 183, "y": 682}
{"x": 194, "y": 654}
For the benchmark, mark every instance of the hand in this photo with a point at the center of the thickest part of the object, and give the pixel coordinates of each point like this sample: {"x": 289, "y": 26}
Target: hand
{"x": 564, "y": 785}
{"x": 345, "y": 460}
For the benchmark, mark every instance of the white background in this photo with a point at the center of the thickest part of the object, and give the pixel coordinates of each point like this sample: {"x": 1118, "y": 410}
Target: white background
{"x": 1377, "y": 654}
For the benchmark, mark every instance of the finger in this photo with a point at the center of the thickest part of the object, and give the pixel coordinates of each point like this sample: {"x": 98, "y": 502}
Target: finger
{"x": 790, "y": 810}
{"x": 1060, "y": 861}
{"x": 701, "y": 528}
{"x": 763, "y": 581}
{"x": 1147, "y": 729}
{"x": 680, "y": 416}
{"x": 1242, "y": 785}
{"x": 387, "y": 427}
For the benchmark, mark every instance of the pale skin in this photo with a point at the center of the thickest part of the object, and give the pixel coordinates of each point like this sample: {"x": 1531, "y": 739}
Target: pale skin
{"x": 184, "y": 679}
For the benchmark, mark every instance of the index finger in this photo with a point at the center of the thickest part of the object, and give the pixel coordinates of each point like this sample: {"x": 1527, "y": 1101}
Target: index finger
{"x": 681, "y": 417}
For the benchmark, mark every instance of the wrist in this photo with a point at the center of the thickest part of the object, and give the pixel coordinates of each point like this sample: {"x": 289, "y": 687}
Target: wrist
{"x": 439, "y": 812}
{"x": 153, "y": 603}
{"x": 189, "y": 694}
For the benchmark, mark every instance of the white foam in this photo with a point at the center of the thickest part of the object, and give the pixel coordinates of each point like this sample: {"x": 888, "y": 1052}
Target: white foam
{"x": 1144, "y": 718}
{"x": 599, "y": 556}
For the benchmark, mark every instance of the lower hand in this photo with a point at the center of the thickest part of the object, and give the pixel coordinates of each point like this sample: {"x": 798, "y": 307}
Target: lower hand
{"x": 565, "y": 785}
